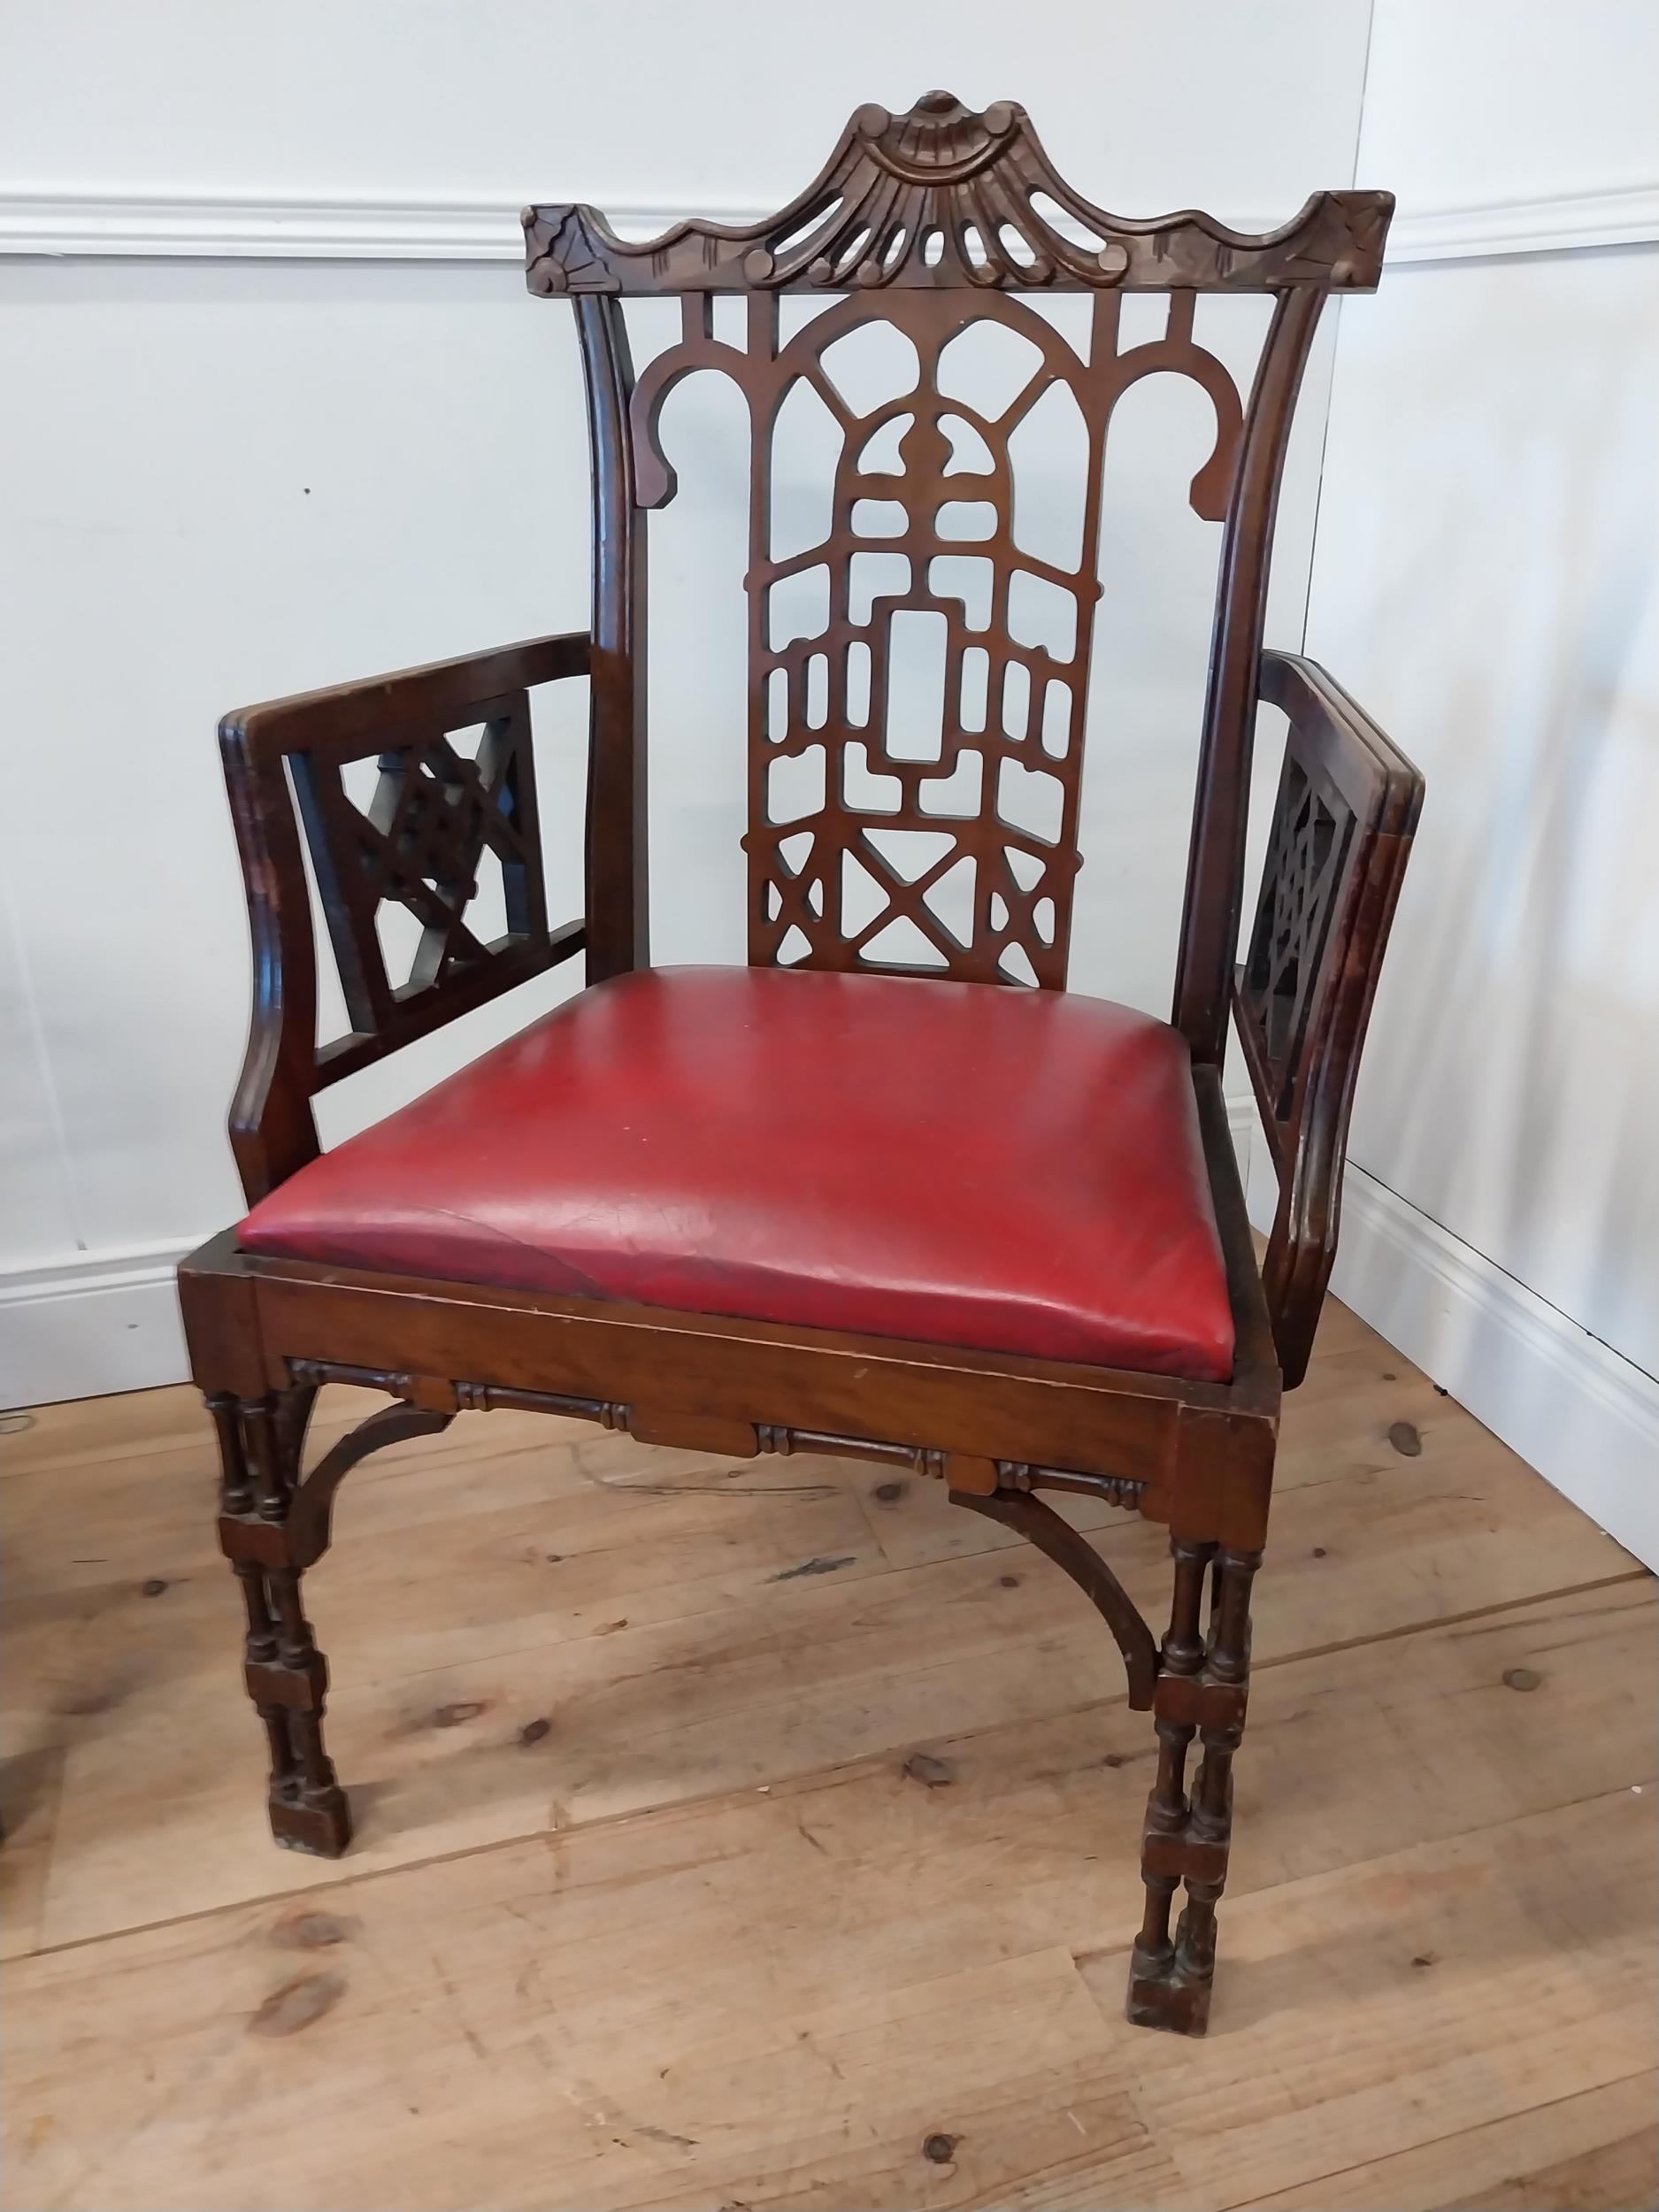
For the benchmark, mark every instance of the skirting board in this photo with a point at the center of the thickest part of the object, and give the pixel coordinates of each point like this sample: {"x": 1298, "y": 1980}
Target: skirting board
{"x": 84, "y": 1327}
{"x": 1583, "y": 1416}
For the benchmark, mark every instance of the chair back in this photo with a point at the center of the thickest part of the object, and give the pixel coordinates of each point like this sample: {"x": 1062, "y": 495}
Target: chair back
{"x": 919, "y": 643}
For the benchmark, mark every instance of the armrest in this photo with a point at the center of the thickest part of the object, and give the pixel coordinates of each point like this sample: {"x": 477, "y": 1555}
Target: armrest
{"x": 434, "y": 814}
{"x": 1343, "y": 820}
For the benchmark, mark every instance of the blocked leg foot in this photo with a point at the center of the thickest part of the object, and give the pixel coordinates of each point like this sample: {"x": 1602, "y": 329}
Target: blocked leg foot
{"x": 1202, "y": 1691}
{"x": 287, "y": 1676}
{"x": 1176, "y": 2001}
{"x": 319, "y": 1823}
{"x": 1170, "y": 1977}
{"x": 308, "y": 1807}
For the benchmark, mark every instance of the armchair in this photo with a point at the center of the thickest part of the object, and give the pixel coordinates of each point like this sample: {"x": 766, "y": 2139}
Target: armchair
{"x": 889, "y": 1191}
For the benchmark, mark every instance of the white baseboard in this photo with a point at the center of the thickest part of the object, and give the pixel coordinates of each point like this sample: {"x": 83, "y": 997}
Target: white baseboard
{"x": 82, "y": 1328}
{"x": 1583, "y": 1414}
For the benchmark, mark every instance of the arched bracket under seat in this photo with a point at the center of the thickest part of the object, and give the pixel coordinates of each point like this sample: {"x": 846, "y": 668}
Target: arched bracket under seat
{"x": 1042, "y": 1526}
{"x": 310, "y": 1513}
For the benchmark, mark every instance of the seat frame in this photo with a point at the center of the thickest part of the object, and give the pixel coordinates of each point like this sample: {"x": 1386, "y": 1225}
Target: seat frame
{"x": 999, "y": 1431}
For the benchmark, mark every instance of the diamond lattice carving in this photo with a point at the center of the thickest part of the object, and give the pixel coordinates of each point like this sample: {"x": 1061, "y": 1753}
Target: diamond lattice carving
{"x": 421, "y": 842}
{"x": 1293, "y": 920}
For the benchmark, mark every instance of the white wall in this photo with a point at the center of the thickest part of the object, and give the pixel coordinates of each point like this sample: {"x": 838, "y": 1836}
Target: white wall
{"x": 728, "y": 105}
{"x": 1484, "y": 580}
{"x": 227, "y": 481}
{"x": 280, "y": 412}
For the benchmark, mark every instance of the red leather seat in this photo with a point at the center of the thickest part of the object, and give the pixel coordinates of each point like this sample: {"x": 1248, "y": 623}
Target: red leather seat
{"x": 999, "y": 1169}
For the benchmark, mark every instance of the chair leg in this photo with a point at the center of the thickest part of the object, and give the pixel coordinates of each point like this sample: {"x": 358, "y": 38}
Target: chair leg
{"x": 287, "y": 1676}
{"x": 1202, "y": 1691}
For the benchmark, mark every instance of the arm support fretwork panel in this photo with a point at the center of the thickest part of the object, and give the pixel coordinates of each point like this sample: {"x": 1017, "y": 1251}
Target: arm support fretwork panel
{"x": 1343, "y": 821}
{"x": 435, "y": 806}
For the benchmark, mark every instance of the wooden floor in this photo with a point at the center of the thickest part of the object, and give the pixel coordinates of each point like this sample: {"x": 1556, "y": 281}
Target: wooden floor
{"x": 765, "y": 1836}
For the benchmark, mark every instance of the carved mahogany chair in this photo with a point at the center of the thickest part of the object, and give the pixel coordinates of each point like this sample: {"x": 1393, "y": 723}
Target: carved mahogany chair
{"x": 920, "y": 1205}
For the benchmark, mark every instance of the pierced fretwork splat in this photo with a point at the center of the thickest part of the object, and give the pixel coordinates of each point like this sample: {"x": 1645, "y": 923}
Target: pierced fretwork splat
{"x": 918, "y": 673}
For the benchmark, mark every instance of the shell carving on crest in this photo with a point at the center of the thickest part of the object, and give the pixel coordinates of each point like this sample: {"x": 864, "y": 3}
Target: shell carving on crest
{"x": 944, "y": 196}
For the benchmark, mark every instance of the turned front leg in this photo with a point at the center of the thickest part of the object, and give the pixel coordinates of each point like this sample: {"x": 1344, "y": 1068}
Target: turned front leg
{"x": 287, "y": 1676}
{"x": 1202, "y": 1692}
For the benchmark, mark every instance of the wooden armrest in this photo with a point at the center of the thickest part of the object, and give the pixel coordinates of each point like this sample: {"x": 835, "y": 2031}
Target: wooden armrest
{"x": 1343, "y": 820}
{"x": 349, "y": 719}
{"x": 437, "y": 810}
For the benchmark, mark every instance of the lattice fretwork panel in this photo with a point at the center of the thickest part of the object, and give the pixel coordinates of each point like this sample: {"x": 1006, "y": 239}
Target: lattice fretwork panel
{"x": 920, "y": 656}
{"x": 1303, "y": 870}
{"x": 436, "y": 822}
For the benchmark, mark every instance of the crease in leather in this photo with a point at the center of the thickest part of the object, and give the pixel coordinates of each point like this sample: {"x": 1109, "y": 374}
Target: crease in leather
{"x": 580, "y": 1285}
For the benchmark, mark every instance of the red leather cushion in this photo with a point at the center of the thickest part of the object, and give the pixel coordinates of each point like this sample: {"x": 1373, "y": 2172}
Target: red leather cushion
{"x": 1001, "y": 1169}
